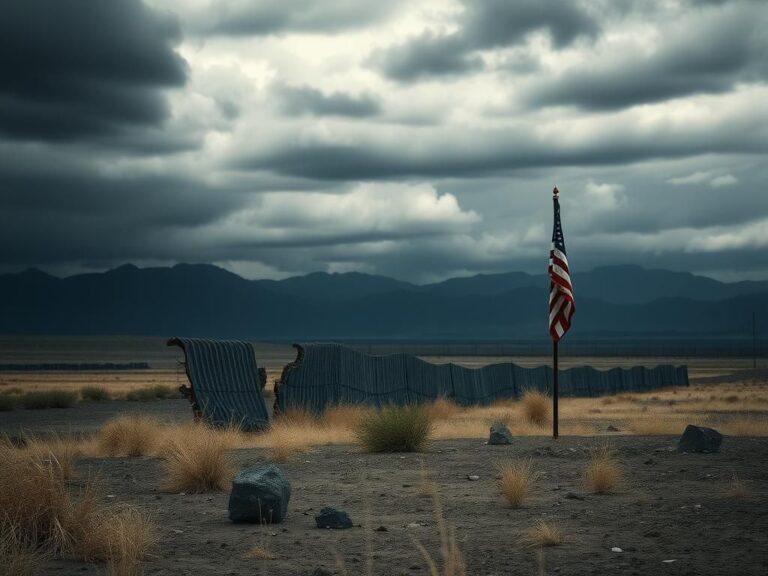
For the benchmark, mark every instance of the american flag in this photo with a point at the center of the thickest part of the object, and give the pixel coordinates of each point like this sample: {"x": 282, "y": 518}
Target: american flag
{"x": 561, "y": 304}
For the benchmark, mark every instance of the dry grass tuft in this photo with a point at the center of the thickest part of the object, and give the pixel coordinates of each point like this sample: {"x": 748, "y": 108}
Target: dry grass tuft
{"x": 286, "y": 440}
{"x": 736, "y": 488}
{"x": 395, "y": 429}
{"x": 128, "y": 436}
{"x": 536, "y": 406}
{"x": 343, "y": 416}
{"x": 545, "y": 533}
{"x": 60, "y": 453}
{"x": 517, "y": 478}
{"x": 426, "y": 487}
{"x": 746, "y": 427}
{"x": 603, "y": 473}
{"x": 19, "y": 558}
{"x": 197, "y": 459}
{"x": 259, "y": 552}
{"x": 40, "y": 513}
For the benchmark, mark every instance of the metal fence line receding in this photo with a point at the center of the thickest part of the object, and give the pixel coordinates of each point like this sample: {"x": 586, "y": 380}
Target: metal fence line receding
{"x": 331, "y": 374}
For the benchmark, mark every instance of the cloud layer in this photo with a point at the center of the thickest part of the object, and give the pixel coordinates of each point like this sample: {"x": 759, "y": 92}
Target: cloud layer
{"x": 419, "y": 140}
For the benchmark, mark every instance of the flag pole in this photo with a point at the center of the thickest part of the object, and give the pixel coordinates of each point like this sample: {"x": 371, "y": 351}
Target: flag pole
{"x": 555, "y": 371}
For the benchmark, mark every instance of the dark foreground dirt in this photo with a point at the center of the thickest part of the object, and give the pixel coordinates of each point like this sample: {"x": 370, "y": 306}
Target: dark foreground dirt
{"x": 672, "y": 507}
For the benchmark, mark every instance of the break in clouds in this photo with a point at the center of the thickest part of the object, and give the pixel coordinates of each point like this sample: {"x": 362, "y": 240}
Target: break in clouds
{"x": 414, "y": 139}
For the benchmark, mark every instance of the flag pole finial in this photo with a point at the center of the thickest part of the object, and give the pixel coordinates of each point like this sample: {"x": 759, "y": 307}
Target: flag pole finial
{"x": 555, "y": 192}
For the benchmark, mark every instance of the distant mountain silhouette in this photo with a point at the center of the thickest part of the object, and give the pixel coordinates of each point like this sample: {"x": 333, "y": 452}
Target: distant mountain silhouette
{"x": 204, "y": 300}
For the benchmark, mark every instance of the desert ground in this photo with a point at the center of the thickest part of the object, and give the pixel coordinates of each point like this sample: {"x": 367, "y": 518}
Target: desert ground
{"x": 668, "y": 512}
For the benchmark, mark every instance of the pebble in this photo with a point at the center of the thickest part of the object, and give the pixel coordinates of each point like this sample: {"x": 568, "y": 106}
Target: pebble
{"x": 616, "y": 549}
{"x": 473, "y": 477}
{"x": 414, "y": 525}
{"x": 668, "y": 561}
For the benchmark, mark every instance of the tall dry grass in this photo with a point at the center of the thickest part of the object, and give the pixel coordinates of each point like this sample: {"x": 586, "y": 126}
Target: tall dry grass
{"x": 198, "y": 459}
{"x": 450, "y": 561}
{"x": 603, "y": 473}
{"x": 545, "y": 533}
{"x": 517, "y": 478}
{"x": 41, "y": 512}
{"x": 536, "y": 407}
{"x": 129, "y": 436}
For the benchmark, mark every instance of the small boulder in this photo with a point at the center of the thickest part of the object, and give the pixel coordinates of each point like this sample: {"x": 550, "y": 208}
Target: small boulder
{"x": 332, "y": 518}
{"x": 259, "y": 495}
{"x": 612, "y": 428}
{"x": 699, "y": 439}
{"x": 500, "y": 434}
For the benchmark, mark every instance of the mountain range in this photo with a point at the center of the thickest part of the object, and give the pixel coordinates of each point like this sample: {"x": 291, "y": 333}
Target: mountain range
{"x": 207, "y": 301}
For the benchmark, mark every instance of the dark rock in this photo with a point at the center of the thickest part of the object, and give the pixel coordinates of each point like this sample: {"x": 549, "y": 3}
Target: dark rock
{"x": 612, "y": 428}
{"x": 650, "y": 461}
{"x": 500, "y": 434}
{"x": 381, "y": 529}
{"x": 699, "y": 439}
{"x": 332, "y": 518}
{"x": 259, "y": 495}
{"x": 574, "y": 496}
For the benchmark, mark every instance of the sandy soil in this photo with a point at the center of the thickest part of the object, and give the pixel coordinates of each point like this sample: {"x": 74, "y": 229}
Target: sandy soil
{"x": 672, "y": 507}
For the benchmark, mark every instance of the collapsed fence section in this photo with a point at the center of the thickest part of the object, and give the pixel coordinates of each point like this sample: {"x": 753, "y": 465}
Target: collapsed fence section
{"x": 331, "y": 374}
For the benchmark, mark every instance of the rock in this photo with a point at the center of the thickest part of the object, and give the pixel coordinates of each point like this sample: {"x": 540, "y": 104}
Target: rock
{"x": 259, "y": 495}
{"x": 500, "y": 434}
{"x": 413, "y": 526}
{"x": 612, "y": 428}
{"x": 699, "y": 439}
{"x": 616, "y": 549}
{"x": 574, "y": 496}
{"x": 381, "y": 529}
{"x": 332, "y": 518}
{"x": 473, "y": 477}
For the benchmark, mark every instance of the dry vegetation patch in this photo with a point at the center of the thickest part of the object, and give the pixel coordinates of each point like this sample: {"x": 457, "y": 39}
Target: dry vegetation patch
{"x": 545, "y": 533}
{"x": 198, "y": 459}
{"x": 395, "y": 429}
{"x": 536, "y": 407}
{"x": 128, "y": 436}
{"x": 517, "y": 478}
{"x": 603, "y": 473}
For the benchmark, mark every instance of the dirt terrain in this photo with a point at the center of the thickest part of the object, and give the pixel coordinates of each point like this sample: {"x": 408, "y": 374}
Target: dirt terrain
{"x": 672, "y": 507}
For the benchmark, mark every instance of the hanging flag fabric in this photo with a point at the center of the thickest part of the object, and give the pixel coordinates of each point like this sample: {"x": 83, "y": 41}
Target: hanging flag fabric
{"x": 561, "y": 303}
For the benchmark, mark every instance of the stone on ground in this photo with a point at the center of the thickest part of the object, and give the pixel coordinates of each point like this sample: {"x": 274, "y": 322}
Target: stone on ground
{"x": 500, "y": 434}
{"x": 699, "y": 439}
{"x": 332, "y": 518}
{"x": 259, "y": 495}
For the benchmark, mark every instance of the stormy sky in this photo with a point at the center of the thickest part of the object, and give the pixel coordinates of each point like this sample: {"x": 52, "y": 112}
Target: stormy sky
{"x": 419, "y": 140}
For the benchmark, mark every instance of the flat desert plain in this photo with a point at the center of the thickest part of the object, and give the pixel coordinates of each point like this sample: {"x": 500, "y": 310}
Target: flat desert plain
{"x": 668, "y": 513}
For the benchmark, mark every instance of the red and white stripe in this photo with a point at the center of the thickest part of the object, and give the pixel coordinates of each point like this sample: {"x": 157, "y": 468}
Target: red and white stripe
{"x": 561, "y": 302}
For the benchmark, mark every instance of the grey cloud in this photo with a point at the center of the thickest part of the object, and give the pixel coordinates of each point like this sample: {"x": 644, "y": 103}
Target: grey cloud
{"x": 308, "y": 100}
{"x": 711, "y": 53}
{"x": 484, "y": 24}
{"x": 264, "y": 17}
{"x": 73, "y": 69}
{"x": 426, "y": 55}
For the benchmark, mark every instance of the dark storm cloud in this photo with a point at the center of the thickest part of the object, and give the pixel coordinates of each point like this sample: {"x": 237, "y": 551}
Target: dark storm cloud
{"x": 710, "y": 54}
{"x": 308, "y": 100}
{"x": 484, "y": 25}
{"x": 466, "y": 153}
{"x": 72, "y": 69}
{"x": 262, "y": 17}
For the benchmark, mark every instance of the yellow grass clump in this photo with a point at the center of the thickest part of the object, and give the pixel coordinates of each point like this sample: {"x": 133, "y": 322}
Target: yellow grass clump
{"x": 536, "y": 407}
{"x": 603, "y": 473}
{"x": 18, "y": 558}
{"x": 198, "y": 459}
{"x": 517, "y": 478}
{"x": 60, "y": 453}
{"x": 442, "y": 409}
{"x": 128, "y": 436}
{"x": 41, "y": 513}
{"x": 545, "y": 533}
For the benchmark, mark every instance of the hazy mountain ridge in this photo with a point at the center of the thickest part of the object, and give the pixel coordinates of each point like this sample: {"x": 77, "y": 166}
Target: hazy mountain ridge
{"x": 204, "y": 300}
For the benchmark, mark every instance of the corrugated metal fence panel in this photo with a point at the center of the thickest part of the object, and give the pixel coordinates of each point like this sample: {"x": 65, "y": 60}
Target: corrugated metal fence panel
{"x": 225, "y": 380}
{"x": 333, "y": 374}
